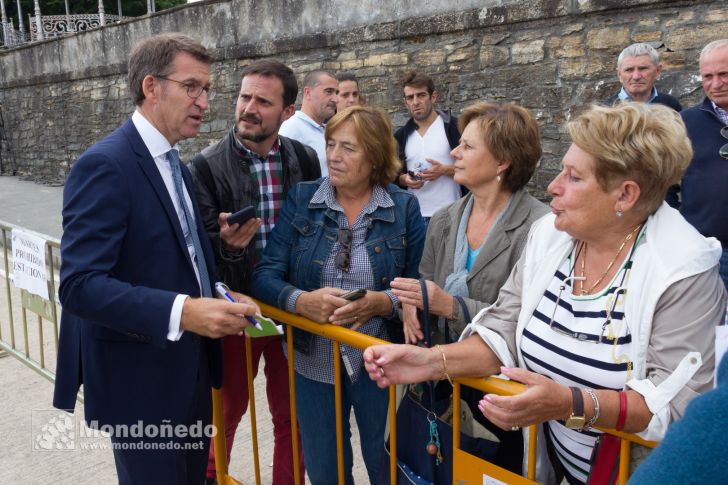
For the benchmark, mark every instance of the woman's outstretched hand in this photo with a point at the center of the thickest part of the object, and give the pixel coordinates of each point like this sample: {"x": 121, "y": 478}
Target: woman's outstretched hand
{"x": 400, "y": 364}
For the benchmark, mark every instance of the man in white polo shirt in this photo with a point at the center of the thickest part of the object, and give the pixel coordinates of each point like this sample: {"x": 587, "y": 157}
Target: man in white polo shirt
{"x": 425, "y": 142}
{"x": 307, "y": 125}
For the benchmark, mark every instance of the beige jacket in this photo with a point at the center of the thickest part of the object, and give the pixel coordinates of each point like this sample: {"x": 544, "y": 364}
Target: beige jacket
{"x": 676, "y": 299}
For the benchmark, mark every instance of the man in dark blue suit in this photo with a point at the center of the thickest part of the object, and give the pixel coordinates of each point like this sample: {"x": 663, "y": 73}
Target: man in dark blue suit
{"x": 139, "y": 320}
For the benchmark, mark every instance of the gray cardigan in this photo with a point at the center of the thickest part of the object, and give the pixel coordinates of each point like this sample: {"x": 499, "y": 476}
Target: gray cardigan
{"x": 496, "y": 259}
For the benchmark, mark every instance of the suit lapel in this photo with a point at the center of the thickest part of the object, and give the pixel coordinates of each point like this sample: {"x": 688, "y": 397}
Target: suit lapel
{"x": 150, "y": 170}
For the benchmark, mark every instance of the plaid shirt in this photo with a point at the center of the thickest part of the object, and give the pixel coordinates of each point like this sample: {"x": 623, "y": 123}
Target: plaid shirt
{"x": 267, "y": 173}
{"x": 318, "y": 364}
{"x": 722, "y": 114}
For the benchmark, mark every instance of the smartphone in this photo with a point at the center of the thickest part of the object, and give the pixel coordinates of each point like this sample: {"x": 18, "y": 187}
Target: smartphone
{"x": 242, "y": 216}
{"x": 354, "y": 294}
{"x": 414, "y": 175}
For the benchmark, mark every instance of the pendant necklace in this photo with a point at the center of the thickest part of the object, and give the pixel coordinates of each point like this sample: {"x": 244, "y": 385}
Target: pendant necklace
{"x": 609, "y": 266}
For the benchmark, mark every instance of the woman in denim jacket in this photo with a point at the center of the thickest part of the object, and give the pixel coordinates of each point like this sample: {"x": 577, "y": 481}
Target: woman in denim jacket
{"x": 350, "y": 230}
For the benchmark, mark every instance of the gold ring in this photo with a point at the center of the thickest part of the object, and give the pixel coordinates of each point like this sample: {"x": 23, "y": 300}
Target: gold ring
{"x": 381, "y": 371}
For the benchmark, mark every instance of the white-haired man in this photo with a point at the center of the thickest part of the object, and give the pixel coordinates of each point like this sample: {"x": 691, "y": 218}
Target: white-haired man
{"x": 638, "y": 68}
{"x": 703, "y": 195}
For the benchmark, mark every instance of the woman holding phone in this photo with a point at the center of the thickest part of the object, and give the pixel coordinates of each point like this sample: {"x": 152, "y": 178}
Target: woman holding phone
{"x": 349, "y": 231}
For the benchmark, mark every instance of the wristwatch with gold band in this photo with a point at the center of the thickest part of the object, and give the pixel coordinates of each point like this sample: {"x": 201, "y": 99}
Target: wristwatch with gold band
{"x": 577, "y": 420}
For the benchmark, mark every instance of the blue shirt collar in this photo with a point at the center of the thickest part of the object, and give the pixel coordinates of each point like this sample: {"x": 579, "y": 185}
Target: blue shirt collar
{"x": 626, "y": 97}
{"x": 307, "y": 119}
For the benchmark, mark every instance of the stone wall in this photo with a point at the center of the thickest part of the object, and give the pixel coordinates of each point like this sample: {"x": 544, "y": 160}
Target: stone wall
{"x": 552, "y": 56}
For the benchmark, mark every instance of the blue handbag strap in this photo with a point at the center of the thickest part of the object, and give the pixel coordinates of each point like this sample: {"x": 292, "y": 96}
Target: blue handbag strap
{"x": 464, "y": 308}
{"x": 425, "y": 312}
{"x": 428, "y": 334}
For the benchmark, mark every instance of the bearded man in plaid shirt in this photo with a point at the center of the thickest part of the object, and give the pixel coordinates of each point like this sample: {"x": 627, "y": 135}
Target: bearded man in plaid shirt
{"x": 253, "y": 165}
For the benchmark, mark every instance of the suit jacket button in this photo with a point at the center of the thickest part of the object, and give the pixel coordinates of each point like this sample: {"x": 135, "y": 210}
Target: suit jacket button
{"x": 377, "y": 249}
{"x": 385, "y": 280}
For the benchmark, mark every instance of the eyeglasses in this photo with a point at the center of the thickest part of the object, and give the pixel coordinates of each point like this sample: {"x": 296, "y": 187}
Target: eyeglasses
{"x": 194, "y": 91}
{"x": 723, "y": 152}
{"x": 559, "y": 328}
{"x": 343, "y": 257}
{"x": 585, "y": 337}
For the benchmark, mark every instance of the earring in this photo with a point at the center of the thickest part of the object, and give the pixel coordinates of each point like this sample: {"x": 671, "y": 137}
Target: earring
{"x": 620, "y": 213}
{"x": 498, "y": 178}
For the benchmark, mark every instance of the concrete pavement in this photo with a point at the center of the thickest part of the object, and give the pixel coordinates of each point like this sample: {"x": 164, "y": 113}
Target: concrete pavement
{"x": 27, "y": 204}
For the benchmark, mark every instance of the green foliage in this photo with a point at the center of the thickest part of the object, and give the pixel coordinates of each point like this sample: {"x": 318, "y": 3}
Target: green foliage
{"x": 129, "y": 8}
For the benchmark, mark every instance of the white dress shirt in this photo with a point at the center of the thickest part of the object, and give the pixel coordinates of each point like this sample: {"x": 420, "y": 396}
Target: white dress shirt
{"x": 158, "y": 147}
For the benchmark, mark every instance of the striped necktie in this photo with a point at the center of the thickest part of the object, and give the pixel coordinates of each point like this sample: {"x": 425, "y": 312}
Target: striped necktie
{"x": 174, "y": 162}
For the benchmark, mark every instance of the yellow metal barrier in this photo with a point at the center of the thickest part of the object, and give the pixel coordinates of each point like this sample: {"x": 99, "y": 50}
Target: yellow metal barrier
{"x": 466, "y": 468}
{"x": 463, "y": 460}
{"x": 337, "y": 335}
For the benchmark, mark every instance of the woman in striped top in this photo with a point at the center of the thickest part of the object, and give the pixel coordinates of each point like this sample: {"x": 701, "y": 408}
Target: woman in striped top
{"x": 609, "y": 315}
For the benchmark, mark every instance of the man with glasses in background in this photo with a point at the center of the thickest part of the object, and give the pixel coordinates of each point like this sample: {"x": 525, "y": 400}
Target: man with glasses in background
{"x": 139, "y": 328}
{"x": 703, "y": 193}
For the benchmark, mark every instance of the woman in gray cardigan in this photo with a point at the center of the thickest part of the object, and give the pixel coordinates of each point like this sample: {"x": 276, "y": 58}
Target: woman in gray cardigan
{"x": 472, "y": 244}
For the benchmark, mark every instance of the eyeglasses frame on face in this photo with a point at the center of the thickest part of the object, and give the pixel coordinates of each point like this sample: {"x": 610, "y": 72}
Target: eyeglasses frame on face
{"x": 343, "y": 257}
{"x": 194, "y": 91}
{"x": 723, "y": 151}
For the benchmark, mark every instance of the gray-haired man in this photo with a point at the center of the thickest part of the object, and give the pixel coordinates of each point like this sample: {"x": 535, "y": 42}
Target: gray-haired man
{"x": 638, "y": 67}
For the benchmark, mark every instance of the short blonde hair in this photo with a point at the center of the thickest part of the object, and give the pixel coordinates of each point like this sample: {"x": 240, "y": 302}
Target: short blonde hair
{"x": 511, "y": 134}
{"x": 374, "y": 134}
{"x": 646, "y": 143}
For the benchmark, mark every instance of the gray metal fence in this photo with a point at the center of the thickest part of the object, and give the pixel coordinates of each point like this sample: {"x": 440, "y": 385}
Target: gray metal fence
{"x": 29, "y": 323}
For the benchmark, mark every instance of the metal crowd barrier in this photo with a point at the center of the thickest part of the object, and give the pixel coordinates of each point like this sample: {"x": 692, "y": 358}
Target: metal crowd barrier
{"x": 33, "y": 350}
{"x": 466, "y": 467}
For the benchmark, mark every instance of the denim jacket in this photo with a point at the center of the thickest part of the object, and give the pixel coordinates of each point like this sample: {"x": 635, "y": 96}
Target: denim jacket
{"x": 305, "y": 234}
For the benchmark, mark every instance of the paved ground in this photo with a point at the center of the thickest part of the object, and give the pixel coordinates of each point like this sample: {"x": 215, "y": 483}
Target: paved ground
{"x": 25, "y": 396}
{"x": 26, "y": 204}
